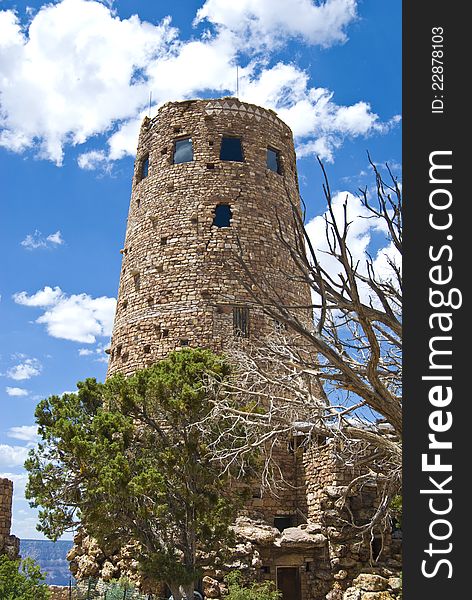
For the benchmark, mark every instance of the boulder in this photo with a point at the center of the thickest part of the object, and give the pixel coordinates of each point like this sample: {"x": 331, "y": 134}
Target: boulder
{"x": 297, "y": 537}
{"x": 370, "y": 583}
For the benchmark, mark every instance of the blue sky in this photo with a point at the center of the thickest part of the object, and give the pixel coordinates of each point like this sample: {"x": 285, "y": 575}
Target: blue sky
{"x": 75, "y": 78}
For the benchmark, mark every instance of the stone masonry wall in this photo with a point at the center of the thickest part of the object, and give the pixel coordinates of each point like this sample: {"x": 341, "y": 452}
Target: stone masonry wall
{"x": 9, "y": 544}
{"x": 175, "y": 287}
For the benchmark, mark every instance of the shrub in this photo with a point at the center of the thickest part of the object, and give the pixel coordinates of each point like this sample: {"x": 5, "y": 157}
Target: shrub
{"x": 253, "y": 591}
{"x": 21, "y": 580}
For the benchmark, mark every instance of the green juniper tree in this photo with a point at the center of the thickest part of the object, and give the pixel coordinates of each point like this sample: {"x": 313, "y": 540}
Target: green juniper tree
{"x": 21, "y": 580}
{"x": 131, "y": 460}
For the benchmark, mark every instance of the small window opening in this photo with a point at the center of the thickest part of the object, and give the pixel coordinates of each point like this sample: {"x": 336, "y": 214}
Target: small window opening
{"x": 150, "y": 300}
{"x": 118, "y": 351}
{"x": 177, "y": 129}
{"x": 164, "y": 151}
{"x": 241, "y": 321}
{"x": 231, "y": 149}
{"x": 124, "y": 304}
{"x": 164, "y": 333}
{"x": 138, "y": 202}
{"x": 257, "y": 493}
{"x": 376, "y": 547}
{"x": 184, "y": 342}
{"x": 283, "y": 522}
{"x": 163, "y": 241}
{"x": 144, "y": 167}
{"x": 183, "y": 151}
{"x": 210, "y": 166}
{"x": 223, "y": 215}
{"x": 296, "y": 442}
{"x": 137, "y": 281}
{"x": 273, "y": 160}
{"x": 210, "y": 143}
{"x": 147, "y": 349}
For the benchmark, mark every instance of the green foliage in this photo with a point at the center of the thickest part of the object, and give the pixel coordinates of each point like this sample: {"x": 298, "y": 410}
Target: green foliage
{"x": 253, "y": 591}
{"x": 21, "y": 580}
{"x": 132, "y": 460}
{"x": 396, "y": 508}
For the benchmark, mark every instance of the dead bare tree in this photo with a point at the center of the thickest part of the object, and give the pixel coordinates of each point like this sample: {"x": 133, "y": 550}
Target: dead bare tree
{"x": 337, "y": 375}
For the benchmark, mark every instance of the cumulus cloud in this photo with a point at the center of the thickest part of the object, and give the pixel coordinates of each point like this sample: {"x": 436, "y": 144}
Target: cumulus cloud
{"x": 12, "y": 456}
{"x": 98, "y": 353}
{"x": 30, "y": 367}
{"x": 77, "y": 317}
{"x": 318, "y": 123}
{"x": 16, "y": 391}
{"x": 366, "y": 238}
{"x": 93, "y": 72}
{"x": 26, "y": 433}
{"x": 265, "y": 22}
{"x": 36, "y": 240}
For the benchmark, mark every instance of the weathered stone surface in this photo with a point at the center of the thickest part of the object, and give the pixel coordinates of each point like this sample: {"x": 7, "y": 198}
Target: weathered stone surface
{"x": 297, "y": 537}
{"x": 370, "y": 583}
{"x": 9, "y": 544}
{"x": 255, "y": 531}
{"x": 377, "y": 596}
{"x": 211, "y": 588}
{"x": 352, "y": 594}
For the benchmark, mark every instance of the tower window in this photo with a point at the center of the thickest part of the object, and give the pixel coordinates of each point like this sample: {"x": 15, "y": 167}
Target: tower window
{"x": 183, "y": 151}
{"x": 231, "y": 149}
{"x": 144, "y": 167}
{"x": 223, "y": 215}
{"x": 241, "y": 321}
{"x": 273, "y": 160}
{"x": 137, "y": 281}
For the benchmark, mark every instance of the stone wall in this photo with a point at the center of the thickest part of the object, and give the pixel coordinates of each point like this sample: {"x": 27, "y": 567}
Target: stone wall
{"x": 175, "y": 288}
{"x": 9, "y": 544}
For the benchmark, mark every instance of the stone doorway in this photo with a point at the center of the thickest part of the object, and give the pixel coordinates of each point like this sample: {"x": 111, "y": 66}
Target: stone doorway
{"x": 288, "y": 582}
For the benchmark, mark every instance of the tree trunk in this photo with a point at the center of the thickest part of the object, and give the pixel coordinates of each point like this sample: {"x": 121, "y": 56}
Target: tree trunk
{"x": 182, "y": 592}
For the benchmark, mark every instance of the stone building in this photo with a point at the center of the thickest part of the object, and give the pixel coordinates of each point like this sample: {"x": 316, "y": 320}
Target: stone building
{"x": 214, "y": 177}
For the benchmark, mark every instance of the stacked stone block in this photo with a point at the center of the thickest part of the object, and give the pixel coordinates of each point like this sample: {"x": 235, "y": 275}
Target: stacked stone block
{"x": 9, "y": 544}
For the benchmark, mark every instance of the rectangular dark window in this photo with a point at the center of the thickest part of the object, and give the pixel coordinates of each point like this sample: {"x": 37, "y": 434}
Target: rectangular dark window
{"x": 144, "y": 167}
{"x": 273, "y": 160}
{"x": 223, "y": 215}
{"x": 183, "y": 151}
{"x": 241, "y": 321}
{"x": 231, "y": 149}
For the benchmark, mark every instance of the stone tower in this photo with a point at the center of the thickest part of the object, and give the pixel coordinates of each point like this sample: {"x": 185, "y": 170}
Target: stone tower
{"x": 211, "y": 177}
{"x": 215, "y": 178}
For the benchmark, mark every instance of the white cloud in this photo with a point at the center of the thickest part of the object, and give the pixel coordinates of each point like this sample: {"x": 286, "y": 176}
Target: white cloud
{"x": 12, "y": 456}
{"x": 36, "y": 240}
{"x": 264, "y": 22}
{"x": 98, "y": 352}
{"x": 366, "y": 236}
{"x": 84, "y": 65}
{"x": 30, "y": 367}
{"x": 93, "y": 72}
{"x": 26, "y": 433}
{"x": 77, "y": 317}
{"x": 16, "y": 391}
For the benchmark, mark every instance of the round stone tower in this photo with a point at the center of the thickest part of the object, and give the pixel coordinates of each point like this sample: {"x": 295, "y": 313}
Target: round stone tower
{"x": 212, "y": 178}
